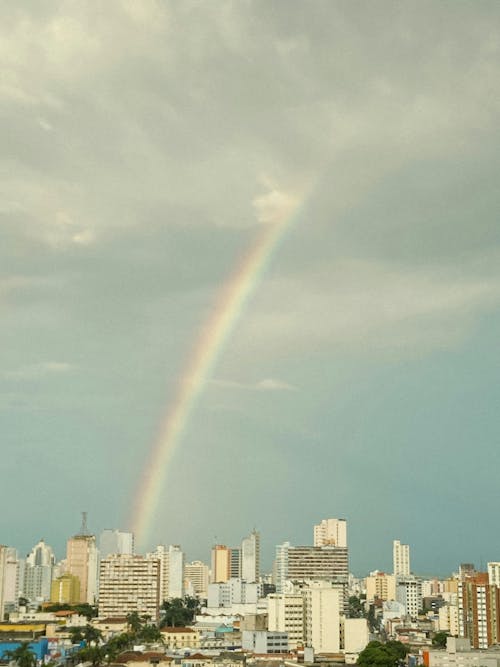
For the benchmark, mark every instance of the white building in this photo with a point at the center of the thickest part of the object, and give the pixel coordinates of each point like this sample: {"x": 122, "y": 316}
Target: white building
{"x": 355, "y": 634}
{"x": 401, "y": 559}
{"x": 113, "y": 541}
{"x": 280, "y": 570}
{"x": 409, "y": 593}
{"x": 232, "y": 592}
{"x": 331, "y": 532}
{"x": 286, "y": 614}
{"x": 128, "y": 584}
{"x": 250, "y": 558}
{"x": 264, "y": 641}
{"x": 38, "y": 572}
{"x": 171, "y": 560}
{"x": 322, "y": 607}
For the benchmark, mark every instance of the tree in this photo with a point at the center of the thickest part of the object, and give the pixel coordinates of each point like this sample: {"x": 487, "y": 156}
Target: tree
{"x": 93, "y": 654}
{"x": 23, "y": 656}
{"x": 117, "y": 644}
{"x": 356, "y": 607}
{"x": 179, "y": 612}
{"x": 439, "y": 639}
{"x": 377, "y": 654}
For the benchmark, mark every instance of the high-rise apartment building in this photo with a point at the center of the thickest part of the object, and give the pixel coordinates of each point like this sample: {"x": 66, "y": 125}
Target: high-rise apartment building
{"x": 81, "y": 557}
{"x": 381, "y": 586}
{"x": 220, "y": 563}
{"x": 171, "y": 569}
{"x": 196, "y": 576}
{"x": 494, "y": 574}
{"x": 280, "y": 567}
{"x": 329, "y": 563}
{"x": 322, "y": 609}
{"x": 400, "y": 559}
{"x": 409, "y": 593}
{"x": 286, "y": 614}
{"x": 250, "y": 558}
{"x": 479, "y": 610}
{"x": 38, "y": 571}
{"x": 113, "y": 541}
{"x": 331, "y": 532}
{"x": 235, "y": 563}
{"x": 128, "y": 584}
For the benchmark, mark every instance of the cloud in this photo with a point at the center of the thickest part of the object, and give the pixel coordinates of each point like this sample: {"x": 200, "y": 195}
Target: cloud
{"x": 268, "y": 384}
{"x": 39, "y": 370}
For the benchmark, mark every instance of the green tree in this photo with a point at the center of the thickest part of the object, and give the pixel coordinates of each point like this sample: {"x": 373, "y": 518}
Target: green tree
{"x": 93, "y": 654}
{"x": 23, "y": 656}
{"x": 439, "y": 639}
{"x": 377, "y": 654}
{"x": 179, "y": 612}
{"x": 356, "y": 607}
{"x": 117, "y": 645}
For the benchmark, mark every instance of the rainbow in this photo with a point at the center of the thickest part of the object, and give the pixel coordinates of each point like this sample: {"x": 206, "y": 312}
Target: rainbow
{"x": 206, "y": 352}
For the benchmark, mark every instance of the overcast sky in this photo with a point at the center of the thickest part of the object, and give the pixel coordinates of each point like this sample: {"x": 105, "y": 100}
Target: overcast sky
{"x": 144, "y": 145}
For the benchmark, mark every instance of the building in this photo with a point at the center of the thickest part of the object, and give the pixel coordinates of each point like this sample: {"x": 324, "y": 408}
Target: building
{"x": 494, "y": 574}
{"x": 401, "y": 559}
{"x": 113, "y": 541}
{"x": 250, "y": 557}
{"x": 331, "y": 532}
{"x": 322, "y": 608}
{"x": 232, "y": 592}
{"x": 38, "y": 572}
{"x": 180, "y": 638}
{"x": 409, "y": 594}
{"x": 459, "y": 653}
{"x": 221, "y": 563}
{"x": 280, "y": 567}
{"x": 171, "y": 561}
{"x": 65, "y": 589}
{"x": 355, "y": 634}
{"x": 264, "y": 641}
{"x": 286, "y": 614}
{"x": 381, "y": 586}
{"x": 196, "y": 578}
{"x": 235, "y": 563}
{"x": 13, "y": 581}
{"x": 81, "y": 561}
{"x": 128, "y": 584}
{"x": 479, "y": 611}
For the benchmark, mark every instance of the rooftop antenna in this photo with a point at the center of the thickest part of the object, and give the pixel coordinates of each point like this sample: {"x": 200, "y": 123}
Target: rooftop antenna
{"x": 84, "y": 530}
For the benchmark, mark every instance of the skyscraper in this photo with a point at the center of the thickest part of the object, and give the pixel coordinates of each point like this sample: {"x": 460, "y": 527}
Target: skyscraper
{"x": 38, "y": 570}
{"x": 400, "y": 559}
{"x": 81, "y": 556}
{"x": 220, "y": 563}
{"x": 128, "y": 584}
{"x": 113, "y": 541}
{"x": 250, "y": 558}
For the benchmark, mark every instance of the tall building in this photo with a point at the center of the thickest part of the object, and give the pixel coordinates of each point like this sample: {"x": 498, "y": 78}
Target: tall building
{"x": 250, "y": 557}
{"x": 280, "y": 567}
{"x": 494, "y": 574}
{"x": 3, "y": 560}
{"x": 113, "y": 541}
{"x": 286, "y": 614}
{"x": 479, "y": 611}
{"x": 13, "y": 580}
{"x": 235, "y": 563}
{"x": 128, "y": 584}
{"x": 38, "y": 570}
{"x": 196, "y": 576}
{"x": 81, "y": 557}
{"x": 401, "y": 559}
{"x": 331, "y": 532}
{"x": 322, "y": 609}
{"x": 409, "y": 593}
{"x": 329, "y": 563}
{"x": 220, "y": 563}
{"x": 171, "y": 570}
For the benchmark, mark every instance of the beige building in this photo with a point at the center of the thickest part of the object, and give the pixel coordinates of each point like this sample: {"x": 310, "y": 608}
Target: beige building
{"x": 129, "y": 583}
{"x": 322, "y": 607}
{"x": 221, "y": 564}
{"x": 196, "y": 576}
{"x": 179, "y": 638}
{"x": 331, "y": 532}
{"x": 380, "y": 585}
{"x": 355, "y": 634}
{"x": 401, "y": 559}
{"x": 286, "y": 614}
{"x": 81, "y": 561}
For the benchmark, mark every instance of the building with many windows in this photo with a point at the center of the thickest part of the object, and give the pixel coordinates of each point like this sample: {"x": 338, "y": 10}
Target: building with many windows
{"x": 400, "y": 559}
{"x": 128, "y": 584}
{"x": 331, "y": 532}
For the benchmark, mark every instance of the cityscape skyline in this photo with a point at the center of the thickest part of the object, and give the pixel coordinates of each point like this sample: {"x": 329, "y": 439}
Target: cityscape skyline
{"x": 250, "y": 274}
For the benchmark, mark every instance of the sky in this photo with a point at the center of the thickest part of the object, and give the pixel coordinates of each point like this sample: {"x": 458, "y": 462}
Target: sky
{"x": 145, "y": 148}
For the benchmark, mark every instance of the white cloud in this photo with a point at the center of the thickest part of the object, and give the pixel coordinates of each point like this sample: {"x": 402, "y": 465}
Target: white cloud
{"x": 39, "y": 370}
{"x": 268, "y": 384}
